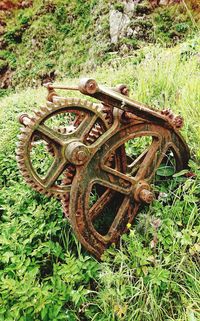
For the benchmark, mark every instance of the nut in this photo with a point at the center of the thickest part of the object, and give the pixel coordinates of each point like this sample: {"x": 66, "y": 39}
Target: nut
{"x": 146, "y": 196}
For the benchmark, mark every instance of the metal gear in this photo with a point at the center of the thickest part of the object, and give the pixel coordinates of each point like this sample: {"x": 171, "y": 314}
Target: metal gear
{"x": 90, "y": 121}
{"x": 100, "y": 183}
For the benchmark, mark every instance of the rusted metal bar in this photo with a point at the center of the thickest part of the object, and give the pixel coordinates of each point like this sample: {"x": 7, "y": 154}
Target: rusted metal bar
{"x": 114, "y": 98}
{"x": 52, "y": 86}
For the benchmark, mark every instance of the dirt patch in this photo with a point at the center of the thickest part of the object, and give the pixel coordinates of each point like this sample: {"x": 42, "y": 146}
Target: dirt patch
{"x": 5, "y": 78}
{"x": 9, "y": 5}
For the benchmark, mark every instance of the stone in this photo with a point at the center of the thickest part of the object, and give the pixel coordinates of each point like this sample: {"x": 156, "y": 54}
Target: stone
{"x": 118, "y": 25}
{"x": 129, "y": 7}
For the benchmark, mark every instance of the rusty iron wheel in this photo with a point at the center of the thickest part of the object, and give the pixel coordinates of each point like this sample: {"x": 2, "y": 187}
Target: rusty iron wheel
{"x": 127, "y": 184}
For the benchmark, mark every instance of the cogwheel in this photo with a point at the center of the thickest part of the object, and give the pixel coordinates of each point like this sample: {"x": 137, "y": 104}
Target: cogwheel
{"x": 108, "y": 112}
{"x": 65, "y": 204}
{"x": 36, "y": 129}
{"x": 94, "y": 134}
{"x": 175, "y": 120}
{"x": 68, "y": 178}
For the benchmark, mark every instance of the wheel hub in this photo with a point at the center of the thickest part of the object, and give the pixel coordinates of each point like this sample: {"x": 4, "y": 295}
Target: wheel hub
{"x": 77, "y": 153}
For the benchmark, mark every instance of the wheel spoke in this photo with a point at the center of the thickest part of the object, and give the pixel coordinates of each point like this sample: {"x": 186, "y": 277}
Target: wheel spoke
{"x": 115, "y": 180}
{"x": 133, "y": 167}
{"x": 54, "y": 172}
{"x": 85, "y": 125}
{"x": 152, "y": 159}
{"x": 50, "y": 134}
{"x": 114, "y": 230}
{"x": 96, "y": 209}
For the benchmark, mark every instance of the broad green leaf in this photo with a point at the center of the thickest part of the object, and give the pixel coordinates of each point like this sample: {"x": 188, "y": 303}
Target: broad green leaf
{"x": 181, "y": 173}
{"x": 165, "y": 171}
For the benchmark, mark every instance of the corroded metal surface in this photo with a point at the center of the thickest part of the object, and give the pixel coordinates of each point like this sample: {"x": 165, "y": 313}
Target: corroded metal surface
{"x": 100, "y": 184}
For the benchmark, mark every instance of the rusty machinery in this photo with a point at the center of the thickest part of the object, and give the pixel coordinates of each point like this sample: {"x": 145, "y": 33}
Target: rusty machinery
{"x": 94, "y": 161}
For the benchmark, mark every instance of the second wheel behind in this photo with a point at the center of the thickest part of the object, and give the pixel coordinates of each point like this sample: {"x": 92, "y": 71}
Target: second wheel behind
{"x": 54, "y": 141}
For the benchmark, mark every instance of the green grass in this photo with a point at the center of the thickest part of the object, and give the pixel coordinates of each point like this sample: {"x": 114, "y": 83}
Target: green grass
{"x": 154, "y": 274}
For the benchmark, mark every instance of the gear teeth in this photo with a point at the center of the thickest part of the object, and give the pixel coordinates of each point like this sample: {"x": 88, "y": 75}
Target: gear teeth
{"x": 57, "y": 195}
{"x": 91, "y": 105}
{"x": 21, "y": 137}
{"x": 56, "y": 102}
{"x": 48, "y": 105}
{"x": 65, "y": 204}
{"x": 38, "y": 113}
{"x": 20, "y": 145}
{"x": 56, "y": 99}
{"x": 108, "y": 114}
{"x": 90, "y": 140}
{"x": 23, "y": 129}
{"x": 31, "y": 125}
{"x": 24, "y": 173}
{"x": 71, "y": 101}
{"x": 94, "y": 134}
{"x": 68, "y": 175}
{"x": 62, "y": 101}
{"x": 48, "y": 108}
{"x": 19, "y": 153}
{"x": 19, "y": 159}
{"x": 176, "y": 121}
{"x": 29, "y": 182}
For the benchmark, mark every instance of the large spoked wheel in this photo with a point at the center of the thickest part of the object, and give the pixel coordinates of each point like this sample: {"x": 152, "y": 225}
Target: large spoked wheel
{"x": 106, "y": 192}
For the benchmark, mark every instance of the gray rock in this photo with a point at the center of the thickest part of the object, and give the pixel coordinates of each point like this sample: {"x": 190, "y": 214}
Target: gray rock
{"x": 118, "y": 25}
{"x": 129, "y": 7}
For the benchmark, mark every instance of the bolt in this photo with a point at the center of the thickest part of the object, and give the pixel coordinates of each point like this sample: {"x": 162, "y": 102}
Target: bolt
{"x": 122, "y": 89}
{"x": 81, "y": 155}
{"x": 146, "y": 196}
{"x": 125, "y": 91}
{"x": 76, "y": 153}
{"x": 88, "y": 86}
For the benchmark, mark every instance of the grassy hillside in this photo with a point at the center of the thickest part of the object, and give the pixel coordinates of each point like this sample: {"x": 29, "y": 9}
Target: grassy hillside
{"x": 55, "y": 39}
{"x": 154, "y": 275}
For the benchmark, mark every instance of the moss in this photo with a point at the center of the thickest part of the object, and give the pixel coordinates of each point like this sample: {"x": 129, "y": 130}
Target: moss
{"x": 143, "y": 8}
{"x": 172, "y": 24}
{"x": 119, "y": 6}
{"x": 132, "y": 43}
{"x": 3, "y": 65}
{"x": 9, "y": 58}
